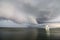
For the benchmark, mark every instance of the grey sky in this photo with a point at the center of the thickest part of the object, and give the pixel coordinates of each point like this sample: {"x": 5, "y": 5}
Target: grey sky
{"x": 38, "y": 8}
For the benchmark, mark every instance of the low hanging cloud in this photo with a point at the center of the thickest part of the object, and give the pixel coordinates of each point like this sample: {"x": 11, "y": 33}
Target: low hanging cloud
{"x": 27, "y": 11}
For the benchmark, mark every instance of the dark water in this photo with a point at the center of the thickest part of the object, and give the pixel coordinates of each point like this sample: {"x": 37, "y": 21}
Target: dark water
{"x": 28, "y": 34}
{"x": 22, "y": 34}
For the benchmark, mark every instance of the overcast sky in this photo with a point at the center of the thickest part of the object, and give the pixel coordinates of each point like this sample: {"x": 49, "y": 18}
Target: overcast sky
{"x": 37, "y": 8}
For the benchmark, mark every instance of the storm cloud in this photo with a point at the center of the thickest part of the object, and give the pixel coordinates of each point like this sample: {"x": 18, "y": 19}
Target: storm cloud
{"x": 47, "y": 10}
